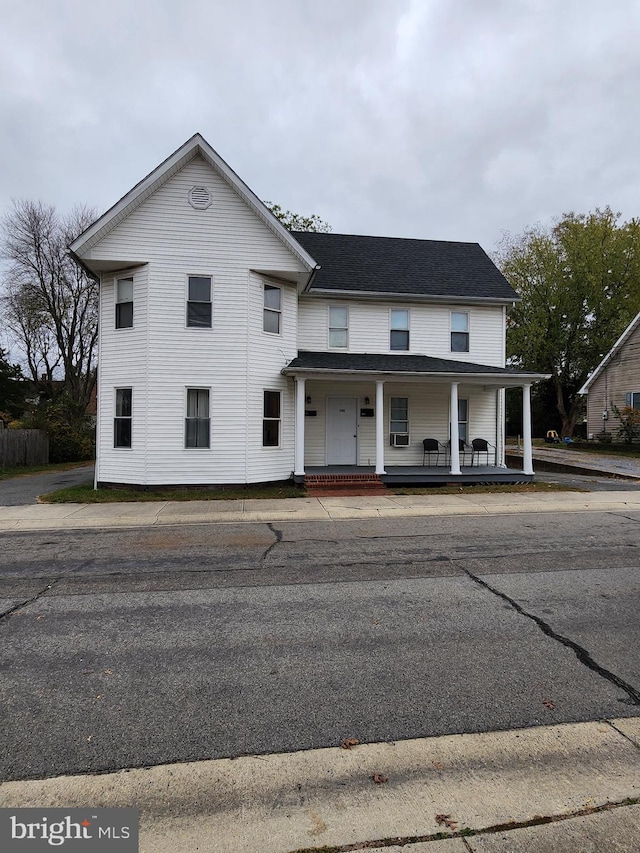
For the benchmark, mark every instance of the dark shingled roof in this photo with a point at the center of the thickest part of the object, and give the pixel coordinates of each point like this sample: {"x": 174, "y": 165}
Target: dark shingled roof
{"x": 383, "y": 363}
{"x": 397, "y": 265}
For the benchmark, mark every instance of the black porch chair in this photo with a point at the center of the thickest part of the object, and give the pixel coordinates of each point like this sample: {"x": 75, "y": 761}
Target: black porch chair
{"x": 481, "y": 445}
{"x": 432, "y": 445}
{"x": 464, "y": 450}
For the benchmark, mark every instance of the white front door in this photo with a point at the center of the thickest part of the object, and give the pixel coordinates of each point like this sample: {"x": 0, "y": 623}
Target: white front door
{"x": 342, "y": 425}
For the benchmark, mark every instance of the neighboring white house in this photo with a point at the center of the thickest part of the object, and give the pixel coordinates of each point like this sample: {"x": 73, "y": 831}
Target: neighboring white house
{"x": 234, "y": 351}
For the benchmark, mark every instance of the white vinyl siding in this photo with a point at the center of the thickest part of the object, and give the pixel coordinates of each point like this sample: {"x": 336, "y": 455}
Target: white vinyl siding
{"x": 430, "y": 329}
{"x": 163, "y": 356}
{"x": 428, "y": 407}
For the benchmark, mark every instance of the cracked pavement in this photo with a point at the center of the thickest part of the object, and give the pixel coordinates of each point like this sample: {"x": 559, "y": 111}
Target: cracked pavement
{"x": 136, "y": 647}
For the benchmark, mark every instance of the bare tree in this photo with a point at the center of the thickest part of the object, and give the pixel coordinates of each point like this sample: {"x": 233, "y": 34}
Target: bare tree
{"x": 50, "y": 304}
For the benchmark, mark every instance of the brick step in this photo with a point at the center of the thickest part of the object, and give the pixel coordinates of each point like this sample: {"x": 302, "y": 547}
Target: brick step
{"x": 325, "y": 485}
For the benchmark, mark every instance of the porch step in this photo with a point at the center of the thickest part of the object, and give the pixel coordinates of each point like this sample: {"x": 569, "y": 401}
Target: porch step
{"x": 328, "y": 485}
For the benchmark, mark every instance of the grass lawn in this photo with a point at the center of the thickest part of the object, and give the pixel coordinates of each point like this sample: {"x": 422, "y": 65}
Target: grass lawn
{"x": 25, "y": 471}
{"x": 632, "y": 450}
{"x": 87, "y": 494}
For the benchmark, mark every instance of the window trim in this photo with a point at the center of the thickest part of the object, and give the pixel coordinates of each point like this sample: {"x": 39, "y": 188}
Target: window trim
{"x": 119, "y": 302}
{"x": 276, "y": 311}
{"x": 331, "y": 328}
{"x": 122, "y": 418}
{"x": 407, "y": 311}
{"x": 266, "y": 419}
{"x": 463, "y": 426}
{"x": 187, "y": 418}
{"x": 630, "y": 399}
{"x": 456, "y": 332}
{"x": 188, "y": 301}
{"x": 406, "y": 420}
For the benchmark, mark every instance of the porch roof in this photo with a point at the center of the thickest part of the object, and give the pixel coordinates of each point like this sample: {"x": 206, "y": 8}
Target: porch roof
{"x": 407, "y": 366}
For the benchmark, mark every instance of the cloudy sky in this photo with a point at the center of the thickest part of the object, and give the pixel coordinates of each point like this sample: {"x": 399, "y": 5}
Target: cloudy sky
{"x": 442, "y": 119}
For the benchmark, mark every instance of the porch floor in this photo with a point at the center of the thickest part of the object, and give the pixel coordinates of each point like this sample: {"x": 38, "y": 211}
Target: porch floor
{"x": 427, "y": 475}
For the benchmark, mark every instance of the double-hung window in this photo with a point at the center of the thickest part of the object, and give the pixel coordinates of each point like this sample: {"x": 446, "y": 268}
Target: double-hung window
{"x": 271, "y": 419}
{"x": 123, "y": 418}
{"x": 399, "y": 330}
{"x": 463, "y": 419}
{"x": 272, "y": 312}
{"x": 199, "y": 302}
{"x": 633, "y": 399}
{"x": 459, "y": 331}
{"x": 197, "y": 422}
{"x": 124, "y": 303}
{"x": 399, "y": 415}
{"x": 338, "y": 327}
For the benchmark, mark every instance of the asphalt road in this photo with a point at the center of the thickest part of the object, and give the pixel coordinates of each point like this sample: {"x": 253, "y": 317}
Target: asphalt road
{"x": 124, "y": 648}
{"x": 25, "y": 490}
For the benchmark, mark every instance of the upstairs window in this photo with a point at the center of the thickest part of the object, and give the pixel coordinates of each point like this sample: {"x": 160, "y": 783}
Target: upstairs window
{"x": 271, "y": 419}
{"x": 459, "y": 331}
{"x": 123, "y": 418}
{"x": 399, "y": 330}
{"x": 338, "y": 327}
{"x": 197, "y": 422}
{"x": 124, "y": 303}
{"x": 272, "y": 313}
{"x": 199, "y": 302}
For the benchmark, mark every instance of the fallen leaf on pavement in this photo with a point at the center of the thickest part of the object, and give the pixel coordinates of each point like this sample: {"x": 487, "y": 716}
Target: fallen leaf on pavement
{"x": 437, "y": 765}
{"x": 379, "y": 779}
{"x": 349, "y": 742}
{"x": 447, "y": 820}
{"x": 548, "y": 704}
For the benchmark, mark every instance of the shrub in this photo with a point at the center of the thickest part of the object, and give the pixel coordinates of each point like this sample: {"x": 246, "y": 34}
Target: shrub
{"x": 629, "y": 418}
{"x": 604, "y": 437}
{"x": 71, "y": 432}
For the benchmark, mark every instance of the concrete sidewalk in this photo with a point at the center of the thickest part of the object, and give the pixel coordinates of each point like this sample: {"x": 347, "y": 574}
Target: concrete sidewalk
{"x": 572, "y": 788}
{"x": 83, "y": 516}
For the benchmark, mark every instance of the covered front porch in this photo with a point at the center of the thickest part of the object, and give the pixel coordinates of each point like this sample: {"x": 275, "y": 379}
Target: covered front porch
{"x": 360, "y": 414}
{"x": 413, "y": 475}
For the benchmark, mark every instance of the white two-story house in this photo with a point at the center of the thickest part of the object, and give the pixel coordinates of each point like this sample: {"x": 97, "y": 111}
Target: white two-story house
{"x": 233, "y": 351}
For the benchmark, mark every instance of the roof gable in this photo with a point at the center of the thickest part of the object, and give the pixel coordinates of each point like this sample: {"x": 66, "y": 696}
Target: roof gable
{"x": 392, "y": 265}
{"x": 195, "y": 146}
{"x": 624, "y": 337}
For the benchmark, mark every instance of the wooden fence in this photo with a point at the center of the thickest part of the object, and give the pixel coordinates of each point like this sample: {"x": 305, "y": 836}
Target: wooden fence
{"x": 23, "y": 447}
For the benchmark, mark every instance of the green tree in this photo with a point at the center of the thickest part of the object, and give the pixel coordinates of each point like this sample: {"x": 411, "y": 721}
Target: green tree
{"x": 579, "y": 283}
{"x": 12, "y": 389}
{"x": 298, "y": 222}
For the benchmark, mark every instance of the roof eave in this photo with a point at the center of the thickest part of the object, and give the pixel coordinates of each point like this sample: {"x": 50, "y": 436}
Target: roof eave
{"x": 420, "y": 297}
{"x": 517, "y": 379}
{"x": 196, "y": 145}
{"x": 614, "y": 349}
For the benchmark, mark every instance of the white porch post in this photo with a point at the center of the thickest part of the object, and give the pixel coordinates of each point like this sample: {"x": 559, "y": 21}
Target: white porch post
{"x": 527, "y": 454}
{"x": 380, "y": 427}
{"x": 455, "y": 436}
{"x": 299, "y": 427}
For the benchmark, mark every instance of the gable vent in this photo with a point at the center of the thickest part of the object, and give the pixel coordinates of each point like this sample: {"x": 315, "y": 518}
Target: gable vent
{"x": 199, "y": 197}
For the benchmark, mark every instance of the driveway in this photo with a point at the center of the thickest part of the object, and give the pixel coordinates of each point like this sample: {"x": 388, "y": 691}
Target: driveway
{"x": 25, "y": 489}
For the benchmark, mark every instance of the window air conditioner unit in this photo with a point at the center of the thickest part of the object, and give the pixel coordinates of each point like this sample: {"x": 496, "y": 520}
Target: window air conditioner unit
{"x": 400, "y": 439}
